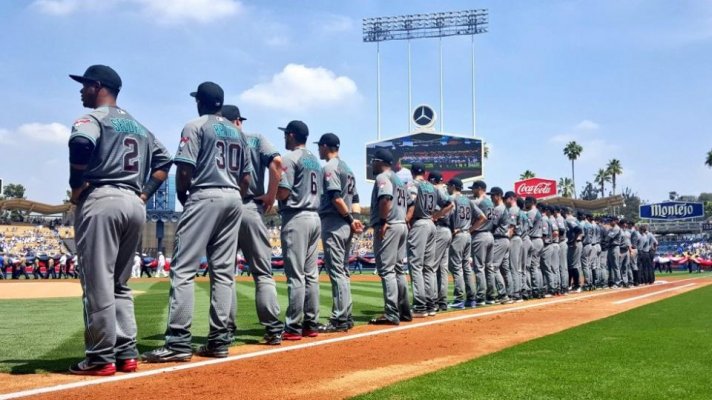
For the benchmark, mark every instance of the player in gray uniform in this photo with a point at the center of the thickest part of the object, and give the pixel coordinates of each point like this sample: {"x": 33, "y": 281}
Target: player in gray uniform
{"x": 515, "y": 247}
{"x": 589, "y": 252}
{"x": 443, "y": 238}
{"x": 525, "y": 261}
{"x": 615, "y": 237}
{"x": 253, "y": 239}
{"x": 421, "y": 241}
{"x": 111, "y": 156}
{"x": 626, "y": 271}
{"x": 337, "y": 230}
{"x": 574, "y": 241}
{"x": 500, "y": 276}
{"x": 550, "y": 233}
{"x": 389, "y": 204}
{"x": 213, "y": 169}
{"x": 299, "y": 196}
{"x": 634, "y": 254}
{"x": 482, "y": 240}
{"x": 561, "y": 255}
{"x": 464, "y": 212}
{"x": 536, "y": 234}
{"x": 603, "y": 255}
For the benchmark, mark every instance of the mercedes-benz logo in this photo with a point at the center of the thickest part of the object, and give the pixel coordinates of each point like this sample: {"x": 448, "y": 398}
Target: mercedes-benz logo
{"x": 423, "y": 115}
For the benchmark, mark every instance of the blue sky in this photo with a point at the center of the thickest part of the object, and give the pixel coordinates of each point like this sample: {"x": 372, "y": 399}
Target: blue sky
{"x": 626, "y": 79}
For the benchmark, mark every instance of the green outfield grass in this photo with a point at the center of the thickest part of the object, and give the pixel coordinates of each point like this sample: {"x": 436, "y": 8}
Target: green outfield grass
{"x": 660, "y": 351}
{"x": 46, "y": 335}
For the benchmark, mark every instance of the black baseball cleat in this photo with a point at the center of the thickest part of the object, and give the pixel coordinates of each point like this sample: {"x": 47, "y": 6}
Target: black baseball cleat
{"x": 163, "y": 355}
{"x": 273, "y": 339}
{"x": 382, "y": 320}
{"x": 206, "y": 351}
{"x": 331, "y": 328}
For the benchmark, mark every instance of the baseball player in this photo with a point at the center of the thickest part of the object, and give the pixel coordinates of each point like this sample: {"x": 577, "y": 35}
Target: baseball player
{"x": 596, "y": 268}
{"x": 337, "y": 229}
{"x": 421, "y": 241}
{"x": 550, "y": 233}
{"x": 536, "y": 235}
{"x": 161, "y": 268}
{"x": 460, "y": 221}
{"x": 525, "y": 261}
{"x": 299, "y": 197}
{"x": 443, "y": 237}
{"x": 502, "y": 229}
{"x": 515, "y": 247}
{"x": 253, "y": 239}
{"x": 626, "y": 270}
{"x": 389, "y": 204}
{"x": 653, "y": 243}
{"x": 588, "y": 252}
{"x": 615, "y": 237}
{"x": 111, "y": 156}
{"x": 574, "y": 241}
{"x": 560, "y": 268}
{"x": 482, "y": 241}
{"x": 213, "y": 170}
{"x": 634, "y": 255}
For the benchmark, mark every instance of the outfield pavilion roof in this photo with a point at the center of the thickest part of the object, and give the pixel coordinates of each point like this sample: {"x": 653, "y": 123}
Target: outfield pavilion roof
{"x": 33, "y": 206}
{"x": 587, "y": 205}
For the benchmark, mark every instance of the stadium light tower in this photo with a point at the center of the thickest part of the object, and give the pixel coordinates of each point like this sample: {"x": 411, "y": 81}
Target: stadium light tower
{"x": 420, "y": 26}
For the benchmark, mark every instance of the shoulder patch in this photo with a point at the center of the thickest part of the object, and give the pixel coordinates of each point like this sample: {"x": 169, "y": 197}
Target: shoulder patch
{"x": 81, "y": 121}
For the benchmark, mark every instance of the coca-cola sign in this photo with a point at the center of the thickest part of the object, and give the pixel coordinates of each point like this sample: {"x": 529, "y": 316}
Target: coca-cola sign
{"x": 535, "y": 187}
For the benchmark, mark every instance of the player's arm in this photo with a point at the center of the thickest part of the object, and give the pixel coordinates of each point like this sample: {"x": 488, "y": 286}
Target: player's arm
{"x": 80, "y": 151}
{"x": 161, "y": 163}
{"x": 246, "y": 168}
{"x": 446, "y": 205}
{"x": 385, "y": 203}
{"x": 478, "y": 218}
{"x": 275, "y": 172}
{"x": 184, "y": 175}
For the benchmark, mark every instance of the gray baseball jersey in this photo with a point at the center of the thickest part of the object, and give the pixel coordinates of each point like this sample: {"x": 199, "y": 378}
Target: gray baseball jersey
{"x": 561, "y": 225}
{"x": 501, "y": 221}
{"x": 588, "y": 233}
{"x": 388, "y": 184}
{"x": 597, "y": 233}
{"x": 645, "y": 242}
{"x": 626, "y": 238}
{"x": 463, "y": 213}
{"x": 635, "y": 237}
{"x": 615, "y": 236}
{"x": 217, "y": 150}
{"x": 425, "y": 198}
{"x": 485, "y": 205}
{"x": 525, "y": 223}
{"x": 536, "y": 221}
{"x": 302, "y": 175}
{"x": 514, "y": 214}
{"x": 262, "y": 152}
{"x": 547, "y": 229}
{"x": 125, "y": 151}
{"x": 338, "y": 177}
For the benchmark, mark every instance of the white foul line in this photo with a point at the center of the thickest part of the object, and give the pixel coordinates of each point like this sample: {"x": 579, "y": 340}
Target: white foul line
{"x": 652, "y": 294}
{"x": 181, "y": 367}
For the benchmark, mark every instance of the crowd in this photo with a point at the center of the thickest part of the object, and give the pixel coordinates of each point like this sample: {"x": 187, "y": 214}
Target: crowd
{"x": 34, "y": 252}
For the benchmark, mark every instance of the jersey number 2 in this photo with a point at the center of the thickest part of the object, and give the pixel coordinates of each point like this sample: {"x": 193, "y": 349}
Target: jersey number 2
{"x": 131, "y": 155}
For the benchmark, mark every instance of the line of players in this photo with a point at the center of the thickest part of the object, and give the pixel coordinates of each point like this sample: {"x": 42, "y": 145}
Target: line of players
{"x": 38, "y": 267}
{"x": 499, "y": 248}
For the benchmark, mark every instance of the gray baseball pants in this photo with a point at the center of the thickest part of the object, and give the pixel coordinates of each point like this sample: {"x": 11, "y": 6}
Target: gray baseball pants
{"x": 300, "y": 235}
{"x": 526, "y": 277}
{"x": 515, "y": 267}
{"x": 587, "y": 257}
{"x": 535, "y": 266}
{"x": 548, "y": 268}
{"x": 461, "y": 269}
{"x": 603, "y": 267}
{"x": 336, "y": 238}
{"x": 443, "y": 237}
{"x": 482, "y": 243}
{"x": 626, "y": 271}
{"x": 614, "y": 266}
{"x": 498, "y": 274}
{"x": 253, "y": 240}
{"x": 421, "y": 257}
{"x": 563, "y": 266}
{"x": 209, "y": 225}
{"x": 389, "y": 264}
{"x": 108, "y": 226}
{"x": 574, "y": 261}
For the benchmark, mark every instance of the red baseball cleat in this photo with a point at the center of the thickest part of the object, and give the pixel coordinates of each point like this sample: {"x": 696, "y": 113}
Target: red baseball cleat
{"x": 310, "y": 333}
{"x": 291, "y": 336}
{"x": 84, "y": 368}
{"x": 130, "y": 365}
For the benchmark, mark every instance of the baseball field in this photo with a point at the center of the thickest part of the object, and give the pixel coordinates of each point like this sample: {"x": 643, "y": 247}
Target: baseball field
{"x": 643, "y": 343}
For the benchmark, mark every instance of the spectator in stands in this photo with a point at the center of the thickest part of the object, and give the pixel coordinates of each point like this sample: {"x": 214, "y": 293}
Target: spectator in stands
{"x": 2, "y": 266}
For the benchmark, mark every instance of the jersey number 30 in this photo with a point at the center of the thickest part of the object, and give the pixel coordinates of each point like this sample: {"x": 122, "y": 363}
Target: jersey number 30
{"x": 233, "y": 151}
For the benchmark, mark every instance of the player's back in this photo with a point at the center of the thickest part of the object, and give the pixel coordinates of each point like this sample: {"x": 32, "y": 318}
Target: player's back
{"x": 261, "y": 154}
{"x": 307, "y": 181}
{"x": 337, "y": 175}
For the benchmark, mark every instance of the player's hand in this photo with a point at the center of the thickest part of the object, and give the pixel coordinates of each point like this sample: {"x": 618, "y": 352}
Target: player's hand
{"x": 357, "y": 227}
{"x": 382, "y": 231}
{"x": 143, "y": 198}
{"x": 267, "y": 201}
{"x": 77, "y": 193}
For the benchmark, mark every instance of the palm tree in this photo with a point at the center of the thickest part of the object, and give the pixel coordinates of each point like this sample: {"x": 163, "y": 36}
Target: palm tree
{"x": 614, "y": 168}
{"x": 573, "y": 151}
{"x": 566, "y": 187}
{"x": 527, "y": 175}
{"x": 601, "y": 178}
{"x": 708, "y": 162}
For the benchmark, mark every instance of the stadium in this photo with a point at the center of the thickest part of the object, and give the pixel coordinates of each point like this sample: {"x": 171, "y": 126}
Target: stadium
{"x": 375, "y": 262}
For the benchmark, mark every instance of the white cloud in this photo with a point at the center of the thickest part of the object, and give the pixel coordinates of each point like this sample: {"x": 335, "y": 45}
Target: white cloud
{"x": 50, "y": 133}
{"x": 586, "y": 125}
{"x": 298, "y": 88}
{"x": 162, "y": 11}
{"x": 5, "y": 137}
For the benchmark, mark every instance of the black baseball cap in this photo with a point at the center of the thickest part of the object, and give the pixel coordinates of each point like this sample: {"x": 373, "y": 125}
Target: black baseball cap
{"x": 457, "y": 182}
{"x": 329, "y": 139}
{"x": 103, "y": 74}
{"x": 383, "y": 155}
{"x": 509, "y": 195}
{"x": 417, "y": 168}
{"x": 435, "y": 176}
{"x": 496, "y": 191}
{"x": 478, "y": 185}
{"x": 298, "y": 128}
{"x": 232, "y": 113}
{"x": 210, "y": 93}
{"x": 530, "y": 200}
